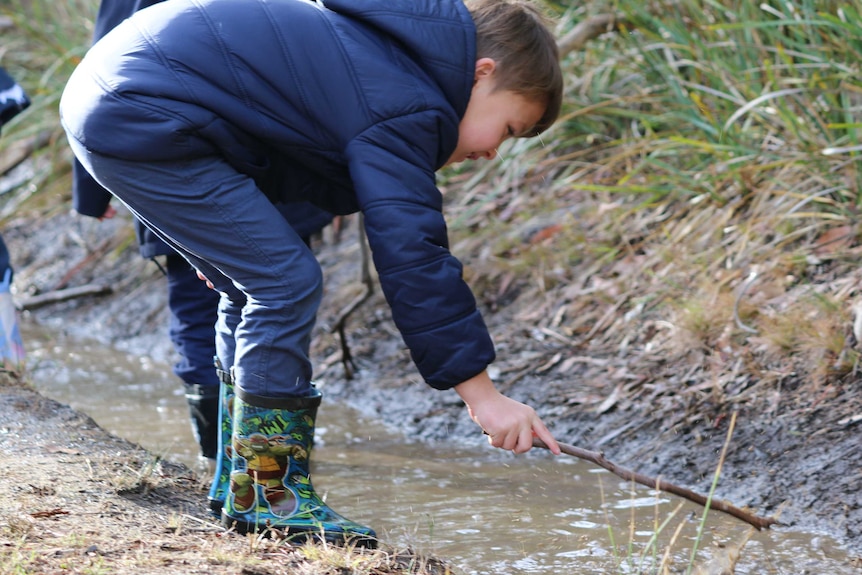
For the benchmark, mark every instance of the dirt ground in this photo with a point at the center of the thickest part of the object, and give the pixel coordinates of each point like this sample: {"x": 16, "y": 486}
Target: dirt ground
{"x": 79, "y": 500}
{"x": 791, "y": 455}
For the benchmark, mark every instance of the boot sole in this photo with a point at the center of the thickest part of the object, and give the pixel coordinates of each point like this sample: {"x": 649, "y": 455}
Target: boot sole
{"x": 299, "y": 535}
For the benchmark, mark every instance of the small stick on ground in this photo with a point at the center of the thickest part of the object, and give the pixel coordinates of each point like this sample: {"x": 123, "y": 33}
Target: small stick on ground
{"x": 56, "y": 296}
{"x": 367, "y": 281}
{"x": 599, "y": 459}
{"x": 19, "y": 151}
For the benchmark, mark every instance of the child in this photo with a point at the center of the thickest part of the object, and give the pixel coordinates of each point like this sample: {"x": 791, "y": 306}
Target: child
{"x": 198, "y": 114}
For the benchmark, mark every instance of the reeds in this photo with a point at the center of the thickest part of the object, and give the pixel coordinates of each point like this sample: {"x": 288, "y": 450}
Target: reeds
{"x": 704, "y": 143}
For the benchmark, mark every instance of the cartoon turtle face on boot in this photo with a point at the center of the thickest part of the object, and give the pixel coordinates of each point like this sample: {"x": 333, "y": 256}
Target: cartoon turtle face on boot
{"x": 267, "y": 462}
{"x": 270, "y": 486}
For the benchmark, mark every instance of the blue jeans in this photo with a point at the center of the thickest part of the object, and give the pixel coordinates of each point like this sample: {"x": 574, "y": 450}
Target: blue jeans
{"x": 269, "y": 280}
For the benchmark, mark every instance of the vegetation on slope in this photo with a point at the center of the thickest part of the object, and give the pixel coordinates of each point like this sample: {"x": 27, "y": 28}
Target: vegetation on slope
{"x": 697, "y": 204}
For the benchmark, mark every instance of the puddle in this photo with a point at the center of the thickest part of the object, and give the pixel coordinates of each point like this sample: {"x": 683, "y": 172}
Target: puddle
{"x": 484, "y": 511}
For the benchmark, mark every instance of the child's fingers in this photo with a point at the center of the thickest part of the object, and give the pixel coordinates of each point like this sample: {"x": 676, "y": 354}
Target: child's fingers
{"x": 525, "y": 441}
{"x": 203, "y": 278}
{"x": 110, "y": 212}
{"x": 540, "y": 431}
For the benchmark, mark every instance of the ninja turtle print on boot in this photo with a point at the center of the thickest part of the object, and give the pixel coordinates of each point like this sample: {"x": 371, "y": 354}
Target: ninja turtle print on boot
{"x": 270, "y": 486}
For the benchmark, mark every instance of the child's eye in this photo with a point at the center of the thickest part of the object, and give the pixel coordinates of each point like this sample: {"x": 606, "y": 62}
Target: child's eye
{"x": 510, "y": 131}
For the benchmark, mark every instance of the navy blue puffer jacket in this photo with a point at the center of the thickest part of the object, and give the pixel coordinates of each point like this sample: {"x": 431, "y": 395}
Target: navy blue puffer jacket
{"x": 350, "y": 105}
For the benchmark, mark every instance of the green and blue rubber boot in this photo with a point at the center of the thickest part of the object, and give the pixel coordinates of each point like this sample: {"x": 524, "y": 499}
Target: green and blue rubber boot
{"x": 221, "y": 478}
{"x": 270, "y": 487}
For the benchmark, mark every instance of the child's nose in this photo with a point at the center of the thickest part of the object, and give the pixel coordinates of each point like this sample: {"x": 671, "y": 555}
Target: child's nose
{"x": 490, "y": 154}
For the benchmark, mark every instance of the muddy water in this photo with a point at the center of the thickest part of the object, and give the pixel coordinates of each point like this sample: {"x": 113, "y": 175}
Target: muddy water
{"x": 485, "y": 511}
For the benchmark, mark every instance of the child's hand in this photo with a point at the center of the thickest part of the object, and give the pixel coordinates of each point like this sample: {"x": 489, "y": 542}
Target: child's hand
{"x": 110, "y": 212}
{"x": 203, "y": 278}
{"x": 510, "y": 424}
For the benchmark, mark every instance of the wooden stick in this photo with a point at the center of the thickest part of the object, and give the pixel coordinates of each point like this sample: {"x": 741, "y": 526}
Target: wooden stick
{"x": 368, "y": 282}
{"x": 36, "y": 301}
{"x": 599, "y": 459}
{"x": 586, "y": 30}
{"x": 19, "y": 151}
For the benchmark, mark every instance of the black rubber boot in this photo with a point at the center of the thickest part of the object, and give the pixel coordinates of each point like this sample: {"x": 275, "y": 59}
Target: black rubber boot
{"x": 203, "y": 403}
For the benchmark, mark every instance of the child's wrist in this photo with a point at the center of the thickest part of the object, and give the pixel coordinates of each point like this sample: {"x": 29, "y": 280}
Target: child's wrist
{"x": 477, "y": 388}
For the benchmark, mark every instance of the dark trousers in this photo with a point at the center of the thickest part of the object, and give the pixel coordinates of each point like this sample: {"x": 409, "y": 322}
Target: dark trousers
{"x": 193, "y": 316}
{"x": 269, "y": 280}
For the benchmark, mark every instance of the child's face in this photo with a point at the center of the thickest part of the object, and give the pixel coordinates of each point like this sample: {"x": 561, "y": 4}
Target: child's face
{"x": 492, "y": 116}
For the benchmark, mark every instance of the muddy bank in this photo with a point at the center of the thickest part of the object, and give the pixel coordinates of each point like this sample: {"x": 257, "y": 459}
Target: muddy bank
{"x": 792, "y": 453}
{"x": 79, "y": 500}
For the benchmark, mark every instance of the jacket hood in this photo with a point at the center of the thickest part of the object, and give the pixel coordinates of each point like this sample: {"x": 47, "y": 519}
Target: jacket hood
{"x": 419, "y": 25}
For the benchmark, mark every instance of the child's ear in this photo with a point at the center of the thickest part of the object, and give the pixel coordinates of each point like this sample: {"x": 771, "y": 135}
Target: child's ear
{"x": 484, "y": 68}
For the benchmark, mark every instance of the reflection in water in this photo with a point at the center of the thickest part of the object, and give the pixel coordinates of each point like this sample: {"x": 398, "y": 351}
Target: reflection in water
{"x": 485, "y": 511}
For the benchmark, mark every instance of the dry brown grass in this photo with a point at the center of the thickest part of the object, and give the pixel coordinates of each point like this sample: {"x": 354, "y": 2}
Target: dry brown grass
{"x": 78, "y": 500}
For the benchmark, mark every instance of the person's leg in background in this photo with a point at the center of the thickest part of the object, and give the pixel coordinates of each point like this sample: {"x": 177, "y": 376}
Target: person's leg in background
{"x": 13, "y": 101}
{"x": 193, "y": 308}
{"x": 11, "y": 344}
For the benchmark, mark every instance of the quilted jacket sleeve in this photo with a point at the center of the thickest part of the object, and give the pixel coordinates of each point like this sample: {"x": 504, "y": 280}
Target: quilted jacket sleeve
{"x": 432, "y": 306}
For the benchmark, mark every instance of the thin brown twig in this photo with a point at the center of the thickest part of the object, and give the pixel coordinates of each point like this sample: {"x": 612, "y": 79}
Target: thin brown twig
{"x": 588, "y": 29}
{"x": 368, "y": 283}
{"x": 56, "y": 296}
{"x": 91, "y": 258}
{"x": 19, "y": 151}
{"x": 747, "y": 284}
{"x": 599, "y": 459}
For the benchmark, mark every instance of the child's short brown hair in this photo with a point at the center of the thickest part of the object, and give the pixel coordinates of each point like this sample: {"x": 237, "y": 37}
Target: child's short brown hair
{"x": 515, "y": 34}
